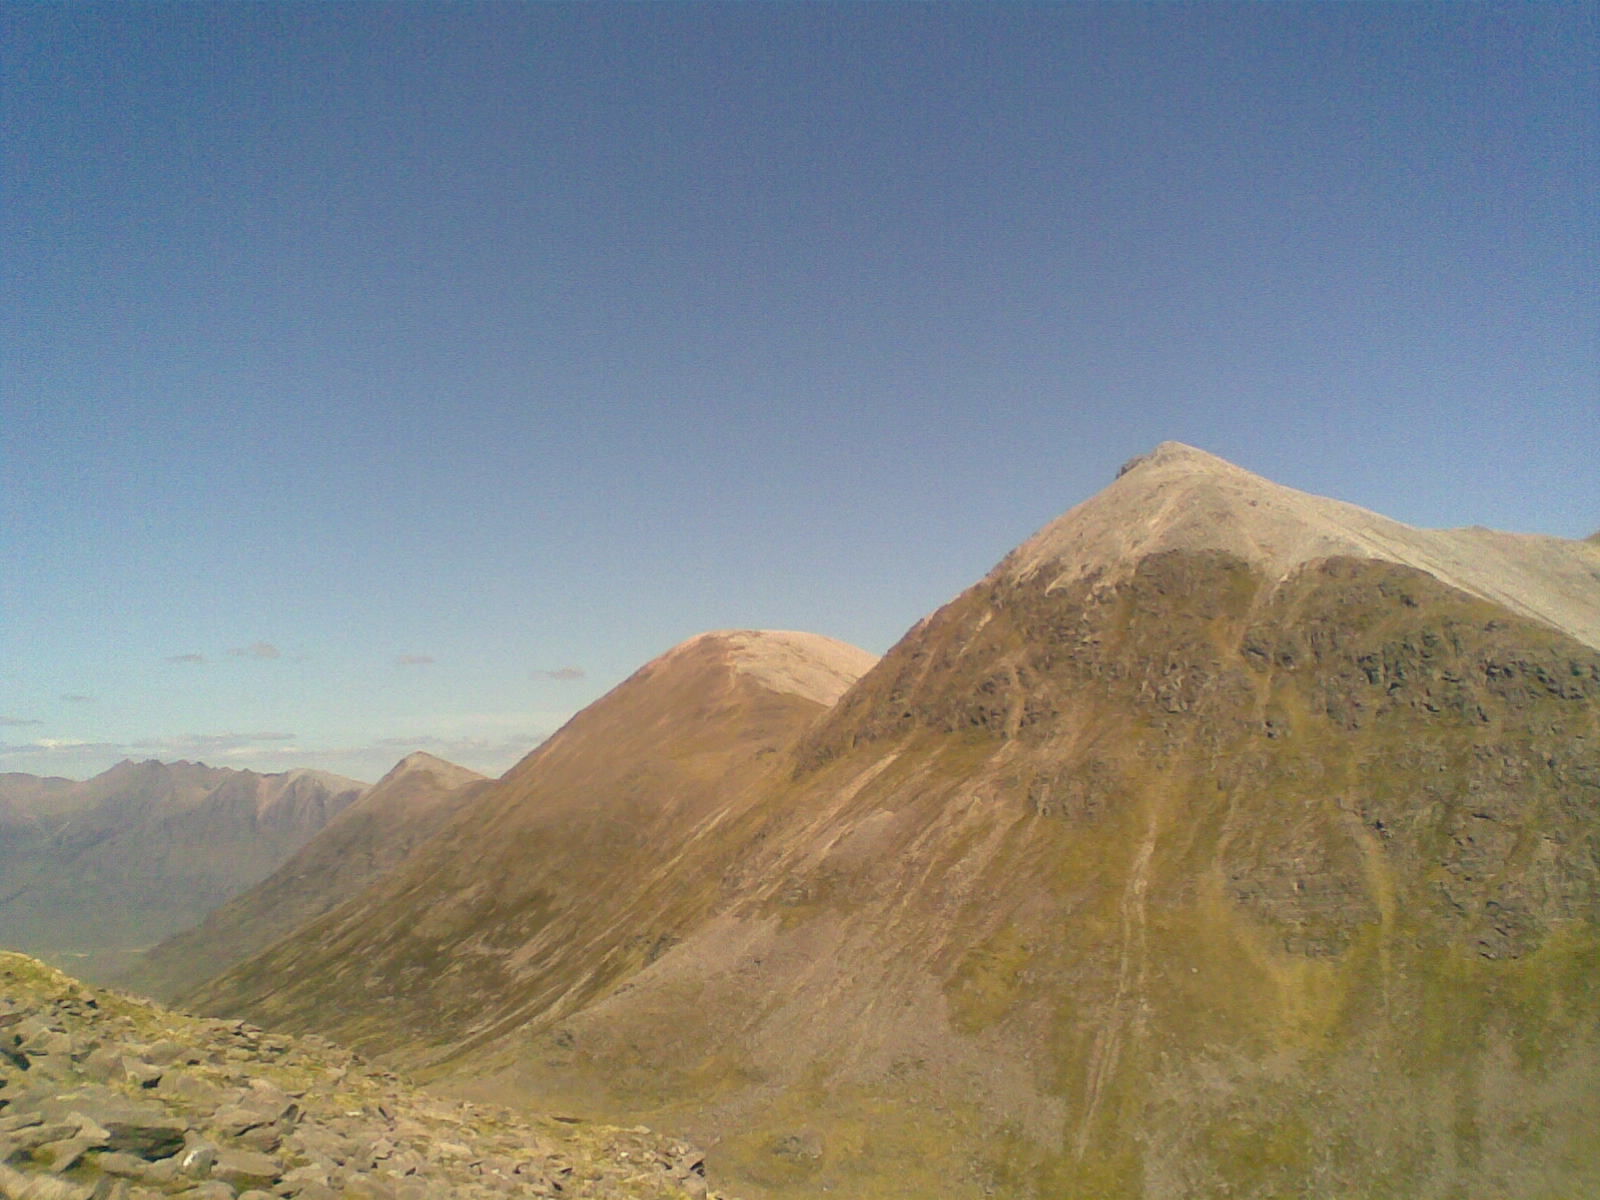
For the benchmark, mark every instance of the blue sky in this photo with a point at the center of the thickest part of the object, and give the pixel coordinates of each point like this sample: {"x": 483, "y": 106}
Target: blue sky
{"x": 391, "y": 377}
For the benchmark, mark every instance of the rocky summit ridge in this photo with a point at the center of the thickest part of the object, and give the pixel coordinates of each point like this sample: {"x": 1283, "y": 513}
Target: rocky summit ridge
{"x": 1178, "y": 498}
{"x": 807, "y": 665}
{"x": 107, "y": 1097}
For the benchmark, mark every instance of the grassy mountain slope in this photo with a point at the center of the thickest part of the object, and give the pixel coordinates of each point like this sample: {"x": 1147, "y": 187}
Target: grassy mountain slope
{"x": 567, "y": 875}
{"x": 1114, "y": 897}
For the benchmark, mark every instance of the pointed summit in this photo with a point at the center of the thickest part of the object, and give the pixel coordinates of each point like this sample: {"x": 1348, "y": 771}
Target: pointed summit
{"x": 1180, "y": 453}
{"x": 421, "y": 762}
{"x": 1177, "y": 857}
{"x": 807, "y": 665}
{"x": 566, "y": 874}
{"x": 723, "y": 686}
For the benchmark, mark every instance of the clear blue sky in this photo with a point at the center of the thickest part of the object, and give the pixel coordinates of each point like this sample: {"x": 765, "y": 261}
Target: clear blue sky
{"x": 385, "y": 377}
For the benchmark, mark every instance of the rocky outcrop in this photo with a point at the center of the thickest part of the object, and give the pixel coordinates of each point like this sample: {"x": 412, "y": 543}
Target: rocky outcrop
{"x": 104, "y": 1097}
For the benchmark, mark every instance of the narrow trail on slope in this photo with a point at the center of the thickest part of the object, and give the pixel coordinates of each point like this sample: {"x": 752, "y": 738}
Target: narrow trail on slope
{"x": 1107, "y": 1048}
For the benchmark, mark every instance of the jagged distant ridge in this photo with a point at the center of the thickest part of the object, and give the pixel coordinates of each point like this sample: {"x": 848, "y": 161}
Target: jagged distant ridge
{"x": 107, "y": 867}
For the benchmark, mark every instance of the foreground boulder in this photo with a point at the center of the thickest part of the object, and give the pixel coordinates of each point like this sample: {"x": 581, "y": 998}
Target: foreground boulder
{"x": 105, "y": 1097}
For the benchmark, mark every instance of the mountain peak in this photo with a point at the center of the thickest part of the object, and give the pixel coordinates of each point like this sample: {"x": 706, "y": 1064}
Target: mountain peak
{"x": 421, "y": 761}
{"x": 421, "y": 758}
{"x": 808, "y": 665}
{"x": 1176, "y": 454}
{"x": 329, "y": 779}
{"x": 1184, "y": 499}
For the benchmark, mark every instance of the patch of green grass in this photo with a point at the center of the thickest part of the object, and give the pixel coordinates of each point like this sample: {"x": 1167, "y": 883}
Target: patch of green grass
{"x": 989, "y": 981}
{"x": 1261, "y": 1157}
{"x": 881, "y": 1143}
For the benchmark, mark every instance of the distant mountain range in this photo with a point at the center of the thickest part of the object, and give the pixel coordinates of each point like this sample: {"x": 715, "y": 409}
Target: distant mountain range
{"x": 365, "y": 840}
{"x": 1223, "y": 840}
{"x": 92, "y": 873}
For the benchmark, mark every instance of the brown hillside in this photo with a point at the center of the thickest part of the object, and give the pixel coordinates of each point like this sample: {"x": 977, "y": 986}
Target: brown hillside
{"x": 567, "y": 875}
{"x": 1182, "y": 871}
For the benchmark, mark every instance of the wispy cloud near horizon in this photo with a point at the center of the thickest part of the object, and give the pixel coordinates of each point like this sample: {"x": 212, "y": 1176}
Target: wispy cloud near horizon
{"x": 186, "y": 658}
{"x": 261, "y": 650}
{"x": 20, "y": 721}
{"x": 561, "y": 674}
{"x": 56, "y": 746}
{"x": 413, "y": 660}
{"x": 202, "y": 743}
{"x": 174, "y": 747}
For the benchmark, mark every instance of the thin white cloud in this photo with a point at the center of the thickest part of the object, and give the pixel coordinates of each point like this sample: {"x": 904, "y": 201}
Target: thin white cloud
{"x": 563, "y": 674}
{"x": 413, "y": 660}
{"x": 58, "y": 746}
{"x": 257, "y": 650}
{"x": 490, "y": 743}
{"x": 82, "y": 758}
{"x": 463, "y": 745}
{"x": 186, "y": 658}
{"x": 75, "y": 758}
{"x": 211, "y": 743}
{"x": 75, "y": 698}
{"x": 20, "y": 721}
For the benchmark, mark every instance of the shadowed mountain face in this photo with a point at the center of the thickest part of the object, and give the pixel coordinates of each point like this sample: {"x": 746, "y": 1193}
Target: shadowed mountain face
{"x": 1223, "y": 841}
{"x": 367, "y": 839}
{"x": 102, "y": 869}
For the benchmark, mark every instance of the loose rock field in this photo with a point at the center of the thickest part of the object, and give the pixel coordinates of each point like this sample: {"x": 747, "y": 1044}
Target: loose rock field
{"x": 107, "y": 1097}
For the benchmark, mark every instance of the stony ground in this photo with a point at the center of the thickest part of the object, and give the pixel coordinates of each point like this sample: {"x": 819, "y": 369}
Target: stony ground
{"x": 107, "y": 1097}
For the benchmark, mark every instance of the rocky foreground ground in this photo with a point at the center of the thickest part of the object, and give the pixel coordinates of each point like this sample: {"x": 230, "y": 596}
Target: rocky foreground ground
{"x": 107, "y": 1097}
